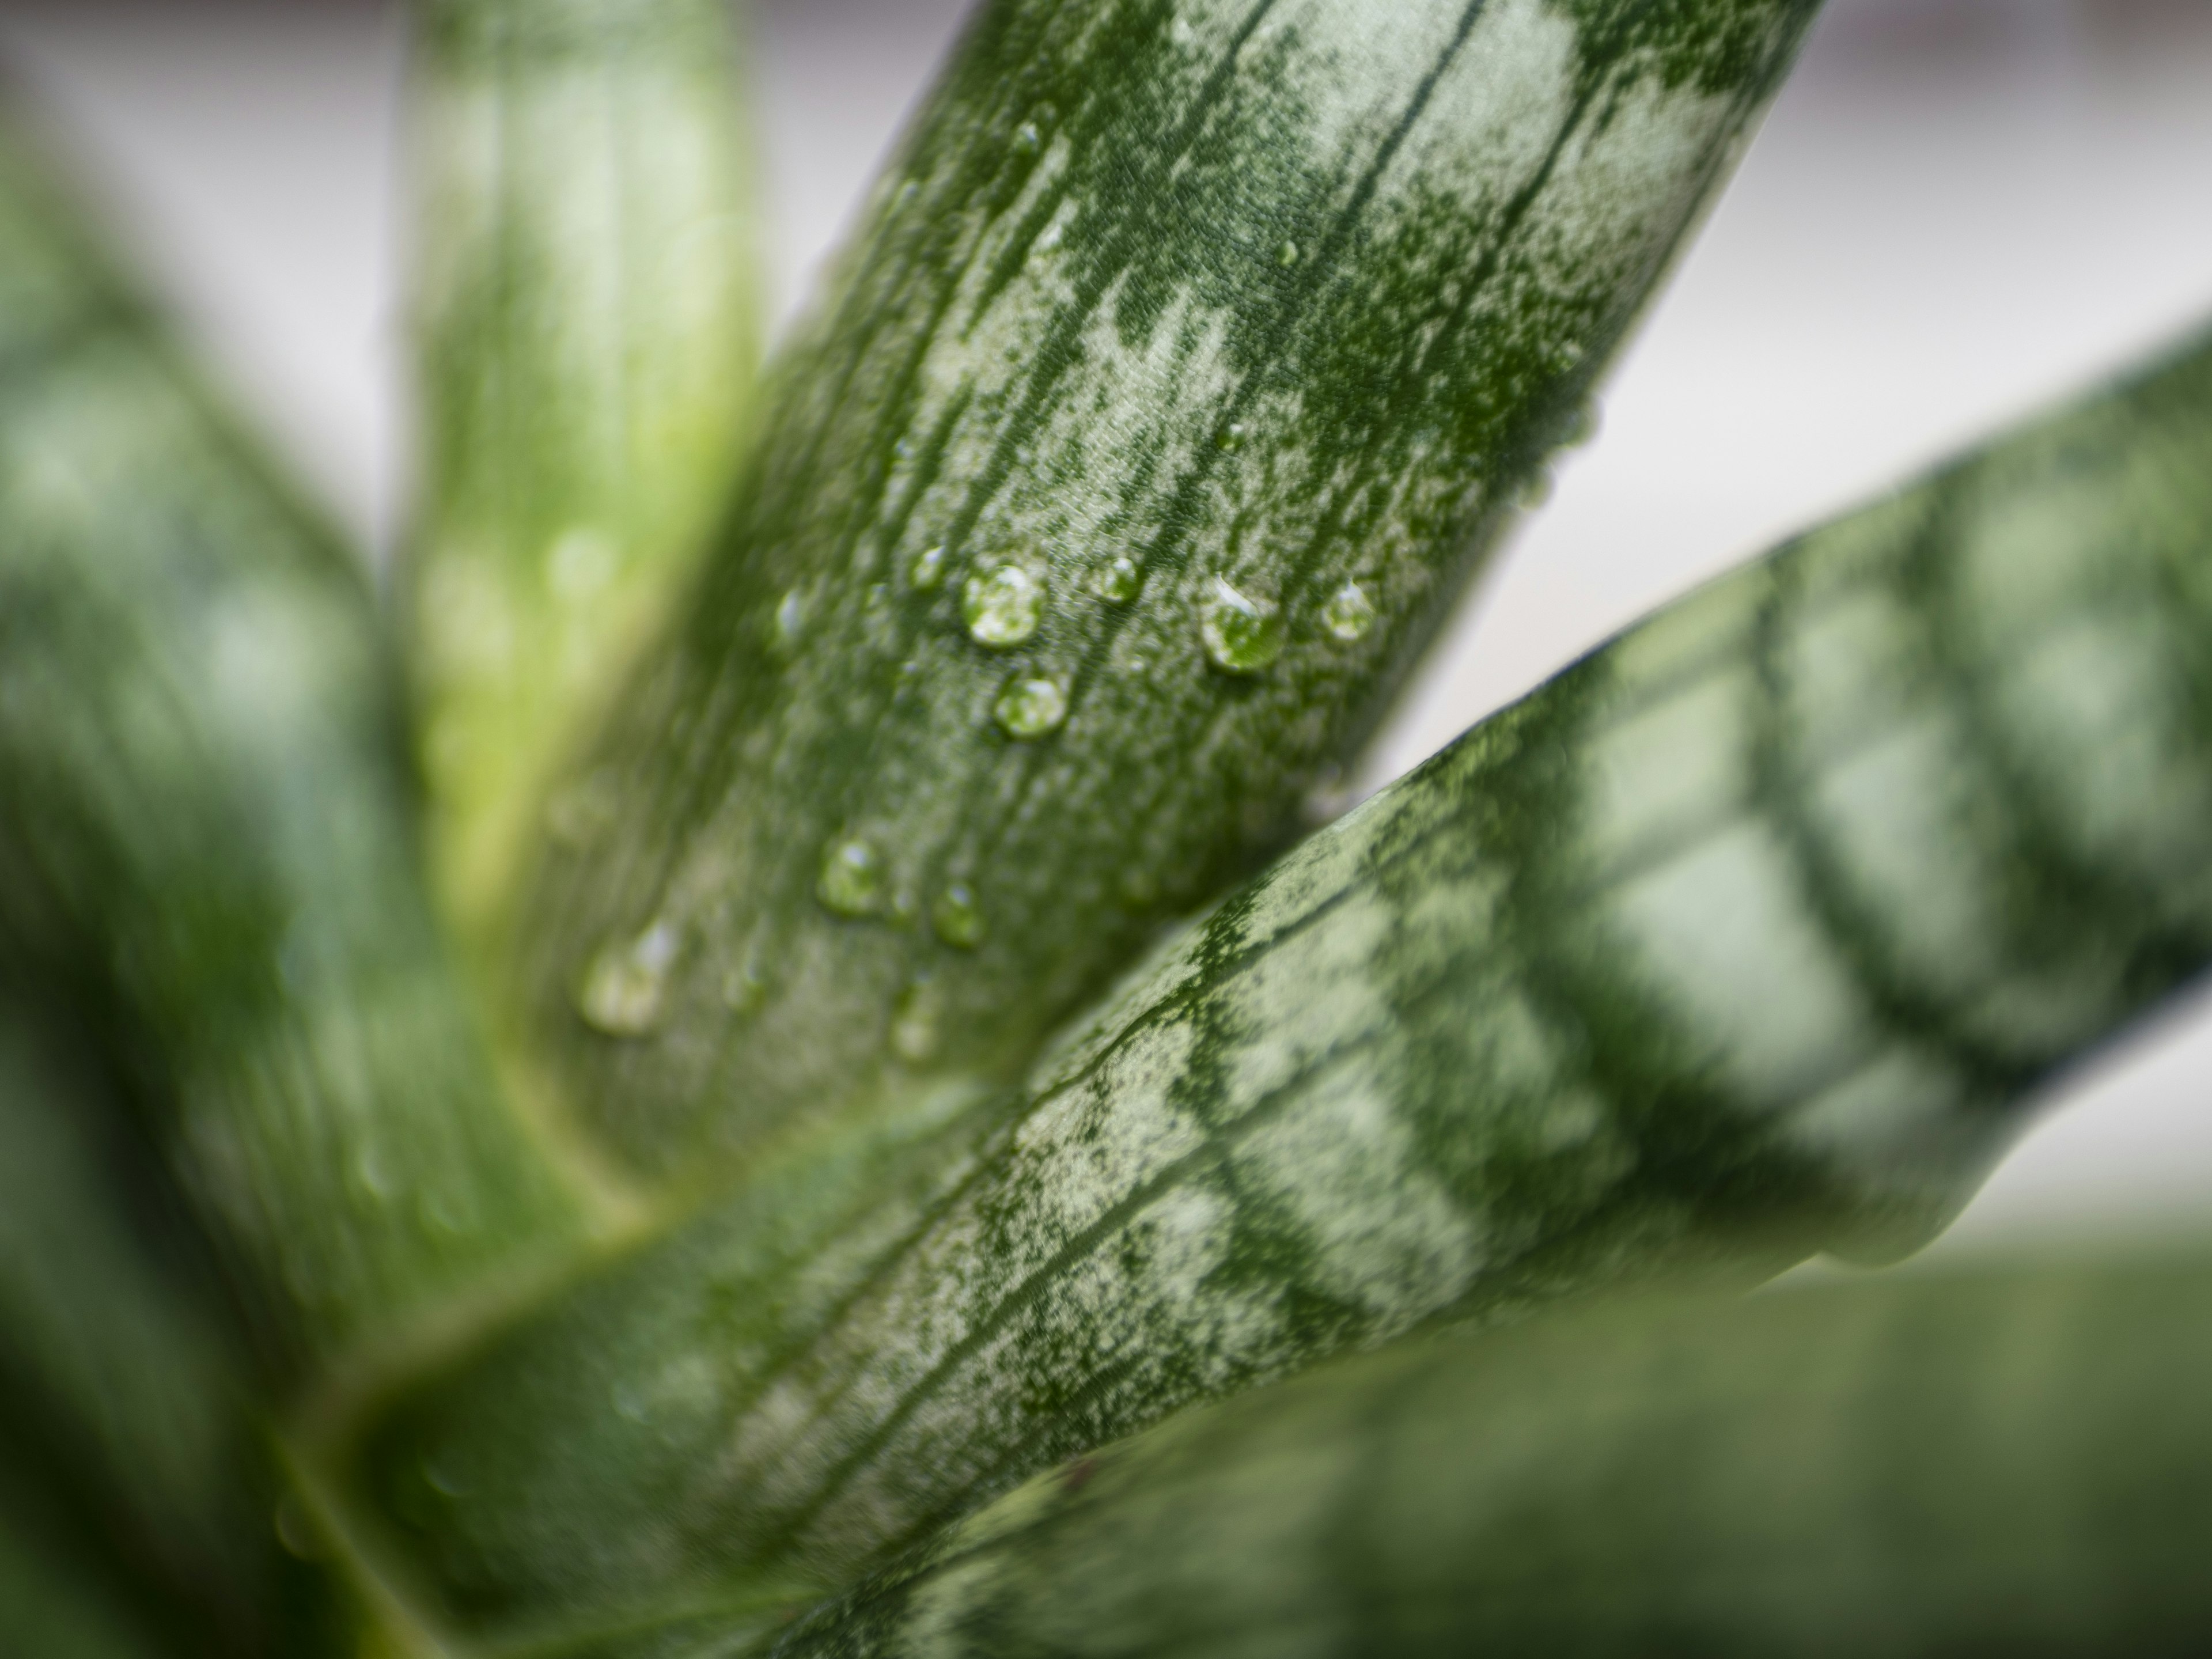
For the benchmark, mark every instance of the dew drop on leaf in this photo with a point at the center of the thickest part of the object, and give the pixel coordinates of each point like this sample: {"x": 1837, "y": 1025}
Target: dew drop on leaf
{"x": 1030, "y": 707}
{"x": 927, "y": 570}
{"x": 1287, "y": 255}
{"x": 1349, "y": 613}
{"x": 1118, "y": 582}
{"x": 624, "y": 992}
{"x": 852, "y": 880}
{"x": 958, "y": 917}
{"x": 1242, "y": 635}
{"x": 913, "y": 1026}
{"x": 1003, "y": 605}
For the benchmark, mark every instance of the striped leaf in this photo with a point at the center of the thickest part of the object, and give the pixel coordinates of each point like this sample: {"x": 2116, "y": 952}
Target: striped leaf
{"x": 586, "y": 301}
{"x": 1751, "y": 936}
{"x": 1190, "y": 358}
{"x": 206, "y": 828}
{"x": 2017, "y": 1463}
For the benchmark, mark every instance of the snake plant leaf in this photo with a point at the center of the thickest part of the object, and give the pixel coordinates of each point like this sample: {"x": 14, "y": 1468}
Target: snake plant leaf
{"x": 1753, "y": 935}
{"x": 2015, "y": 1463}
{"x": 1189, "y": 359}
{"x": 586, "y": 318}
{"x": 134, "y": 1483}
{"x": 206, "y": 826}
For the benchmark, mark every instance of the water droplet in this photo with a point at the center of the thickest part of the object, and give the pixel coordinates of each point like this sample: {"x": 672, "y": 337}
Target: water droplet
{"x": 1027, "y": 139}
{"x": 1288, "y": 255}
{"x": 1582, "y": 425}
{"x": 1003, "y": 605}
{"x": 445, "y": 1478}
{"x": 1231, "y": 439}
{"x": 927, "y": 570}
{"x": 579, "y": 565}
{"x": 958, "y": 917}
{"x": 852, "y": 881}
{"x": 913, "y": 1026}
{"x": 374, "y": 1173}
{"x": 625, "y": 989}
{"x": 790, "y": 620}
{"x": 1349, "y": 613}
{"x": 1030, "y": 707}
{"x": 1242, "y": 635}
{"x": 745, "y": 986}
{"x": 1117, "y": 584}
{"x": 440, "y": 1214}
{"x": 295, "y": 1529}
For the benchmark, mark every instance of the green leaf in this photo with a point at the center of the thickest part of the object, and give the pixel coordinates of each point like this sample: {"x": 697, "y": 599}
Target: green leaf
{"x": 2014, "y": 1463}
{"x": 586, "y": 298}
{"x": 206, "y": 829}
{"x": 1189, "y": 360}
{"x": 134, "y": 1489}
{"x": 1753, "y": 935}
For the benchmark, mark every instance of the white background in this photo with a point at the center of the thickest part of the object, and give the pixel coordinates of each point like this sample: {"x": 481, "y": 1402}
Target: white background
{"x": 1959, "y": 209}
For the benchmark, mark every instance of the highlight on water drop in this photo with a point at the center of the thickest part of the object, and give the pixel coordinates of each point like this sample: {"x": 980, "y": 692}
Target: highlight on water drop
{"x": 1118, "y": 582}
{"x": 625, "y": 990}
{"x": 1030, "y": 707}
{"x": 1242, "y": 635}
{"x": 852, "y": 880}
{"x": 1349, "y": 613}
{"x": 913, "y": 1031}
{"x": 1003, "y": 605}
{"x": 927, "y": 570}
{"x": 957, "y": 916}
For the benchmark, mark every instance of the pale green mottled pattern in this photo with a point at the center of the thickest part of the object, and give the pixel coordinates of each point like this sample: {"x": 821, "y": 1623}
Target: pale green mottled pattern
{"x": 2016, "y": 1463}
{"x": 1751, "y": 936}
{"x": 586, "y": 300}
{"x": 206, "y": 834}
{"x": 1169, "y": 322}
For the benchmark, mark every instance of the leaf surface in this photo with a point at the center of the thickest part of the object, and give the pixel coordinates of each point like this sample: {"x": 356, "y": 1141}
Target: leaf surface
{"x": 1189, "y": 360}
{"x": 1753, "y": 935}
{"x": 2015, "y": 1462}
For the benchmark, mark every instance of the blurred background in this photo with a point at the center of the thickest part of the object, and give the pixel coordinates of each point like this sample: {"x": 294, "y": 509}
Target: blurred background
{"x": 1959, "y": 209}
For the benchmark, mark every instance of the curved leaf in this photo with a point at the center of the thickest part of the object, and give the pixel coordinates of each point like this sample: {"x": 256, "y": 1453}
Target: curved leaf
{"x": 1190, "y": 359}
{"x": 1753, "y": 935}
{"x": 2018, "y": 1464}
{"x": 586, "y": 303}
{"x": 206, "y": 827}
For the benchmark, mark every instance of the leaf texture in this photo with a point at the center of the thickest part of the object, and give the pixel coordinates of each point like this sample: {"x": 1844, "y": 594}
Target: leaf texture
{"x": 1755, "y": 934}
{"x": 2011, "y": 1463}
{"x": 585, "y": 297}
{"x": 136, "y": 1498}
{"x": 1190, "y": 359}
{"x": 206, "y": 828}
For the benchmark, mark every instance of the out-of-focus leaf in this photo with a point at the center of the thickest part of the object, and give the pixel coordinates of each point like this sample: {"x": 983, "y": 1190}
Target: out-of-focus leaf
{"x": 1189, "y": 360}
{"x": 2018, "y": 1464}
{"x": 135, "y": 1492}
{"x": 586, "y": 298}
{"x": 206, "y": 841}
{"x": 1752, "y": 935}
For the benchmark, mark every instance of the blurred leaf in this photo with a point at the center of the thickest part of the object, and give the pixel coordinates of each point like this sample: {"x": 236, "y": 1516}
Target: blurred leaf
{"x": 206, "y": 829}
{"x": 587, "y": 298}
{"x": 2016, "y": 1463}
